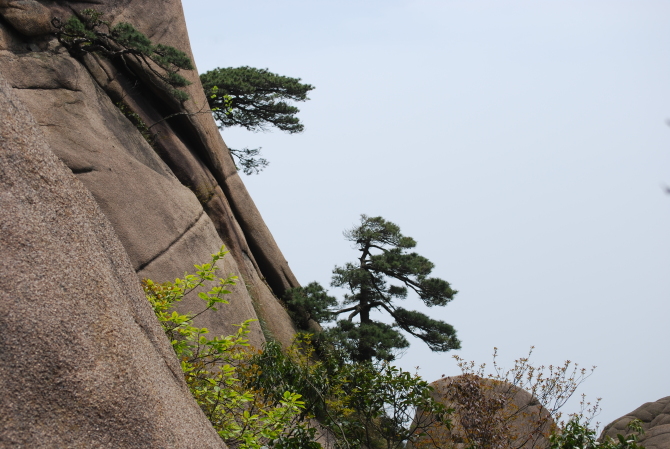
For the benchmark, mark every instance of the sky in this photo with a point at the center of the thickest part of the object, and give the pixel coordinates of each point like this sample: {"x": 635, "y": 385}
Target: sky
{"x": 522, "y": 144}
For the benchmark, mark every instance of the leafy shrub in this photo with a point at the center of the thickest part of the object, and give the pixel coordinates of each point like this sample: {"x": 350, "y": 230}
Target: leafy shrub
{"x": 272, "y": 398}
{"x": 391, "y": 407}
{"x": 358, "y": 405}
{"x": 240, "y": 416}
{"x": 576, "y": 434}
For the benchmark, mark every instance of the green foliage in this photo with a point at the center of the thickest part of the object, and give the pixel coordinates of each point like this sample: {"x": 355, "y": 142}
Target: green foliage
{"x": 239, "y": 415}
{"x": 269, "y": 399}
{"x": 311, "y": 302}
{"x": 248, "y": 160}
{"x": 391, "y": 406}
{"x": 88, "y": 33}
{"x": 577, "y": 434}
{"x": 384, "y": 258}
{"x": 137, "y": 121}
{"x": 254, "y": 99}
{"x": 127, "y": 36}
{"x": 357, "y": 340}
{"x": 258, "y": 98}
{"x": 361, "y": 405}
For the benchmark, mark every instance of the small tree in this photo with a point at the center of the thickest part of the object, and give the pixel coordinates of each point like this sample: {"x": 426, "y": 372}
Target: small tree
{"x": 253, "y": 99}
{"x": 384, "y": 258}
{"x": 88, "y": 33}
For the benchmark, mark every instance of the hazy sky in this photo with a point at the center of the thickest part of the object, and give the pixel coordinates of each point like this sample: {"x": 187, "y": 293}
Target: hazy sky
{"x": 523, "y": 144}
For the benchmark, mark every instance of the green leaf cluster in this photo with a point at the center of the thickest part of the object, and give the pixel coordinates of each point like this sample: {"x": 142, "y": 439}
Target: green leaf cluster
{"x": 576, "y": 434}
{"x": 391, "y": 406}
{"x": 311, "y": 302}
{"x": 271, "y": 398}
{"x": 243, "y": 418}
{"x": 137, "y": 121}
{"x": 88, "y": 33}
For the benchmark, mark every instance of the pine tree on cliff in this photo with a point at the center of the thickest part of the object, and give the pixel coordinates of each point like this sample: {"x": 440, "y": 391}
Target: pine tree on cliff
{"x": 383, "y": 274}
{"x": 253, "y": 99}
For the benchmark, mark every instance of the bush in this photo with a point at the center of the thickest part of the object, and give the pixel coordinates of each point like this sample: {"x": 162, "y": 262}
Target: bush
{"x": 576, "y": 434}
{"x": 273, "y": 398}
{"x": 210, "y": 365}
{"x": 358, "y": 405}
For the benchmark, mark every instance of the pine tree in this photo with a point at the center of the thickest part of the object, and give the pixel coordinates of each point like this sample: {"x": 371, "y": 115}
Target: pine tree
{"x": 86, "y": 32}
{"x": 254, "y": 99}
{"x": 384, "y": 273}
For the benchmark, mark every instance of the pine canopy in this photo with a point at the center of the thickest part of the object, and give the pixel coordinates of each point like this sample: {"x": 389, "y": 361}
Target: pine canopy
{"x": 383, "y": 275}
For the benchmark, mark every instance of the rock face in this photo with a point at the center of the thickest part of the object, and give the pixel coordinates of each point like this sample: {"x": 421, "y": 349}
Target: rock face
{"x": 655, "y": 417}
{"x": 83, "y": 361}
{"x": 87, "y": 208}
{"x": 172, "y": 203}
{"x": 489, "y": 413}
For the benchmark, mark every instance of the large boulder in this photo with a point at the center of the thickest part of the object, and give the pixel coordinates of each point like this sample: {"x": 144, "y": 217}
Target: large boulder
{"x": 488, "y": 413}
{"x": 172, "y": 202}
{"x": 655, "y": 417}
{"x": 83, "y": 360}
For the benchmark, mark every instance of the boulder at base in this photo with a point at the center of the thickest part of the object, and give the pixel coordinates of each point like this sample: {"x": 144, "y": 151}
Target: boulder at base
{"x": 655, "y": 417}
{"x": 487, "y": 413}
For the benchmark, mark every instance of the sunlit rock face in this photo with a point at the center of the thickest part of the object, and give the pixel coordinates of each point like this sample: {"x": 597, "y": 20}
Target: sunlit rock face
{"x": 89, "y": 206}
{"x": 172, "y": 202}
{"x": 83, "y": 361}
{"x": 655, "y": 417}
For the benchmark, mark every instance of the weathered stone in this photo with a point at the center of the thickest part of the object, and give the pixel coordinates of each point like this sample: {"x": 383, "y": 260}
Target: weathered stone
{"x": 655, "y": 417}
{"x": 144, "y": 191}
{"x": 83, "y": 361}
{"x": 191, "y": 246}
{"x": 151, "y": 211}
{"x": 509, "y": 415}
{"x": 28, "y": 17}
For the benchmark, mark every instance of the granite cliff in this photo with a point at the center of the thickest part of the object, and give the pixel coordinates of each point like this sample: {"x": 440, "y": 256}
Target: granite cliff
{"x": 171, "y": 203}
{"x": 89, "y": 207}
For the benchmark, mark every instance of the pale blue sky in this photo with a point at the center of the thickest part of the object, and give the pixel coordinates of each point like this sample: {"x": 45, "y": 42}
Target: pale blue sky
{"x": 521, "y": 143}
